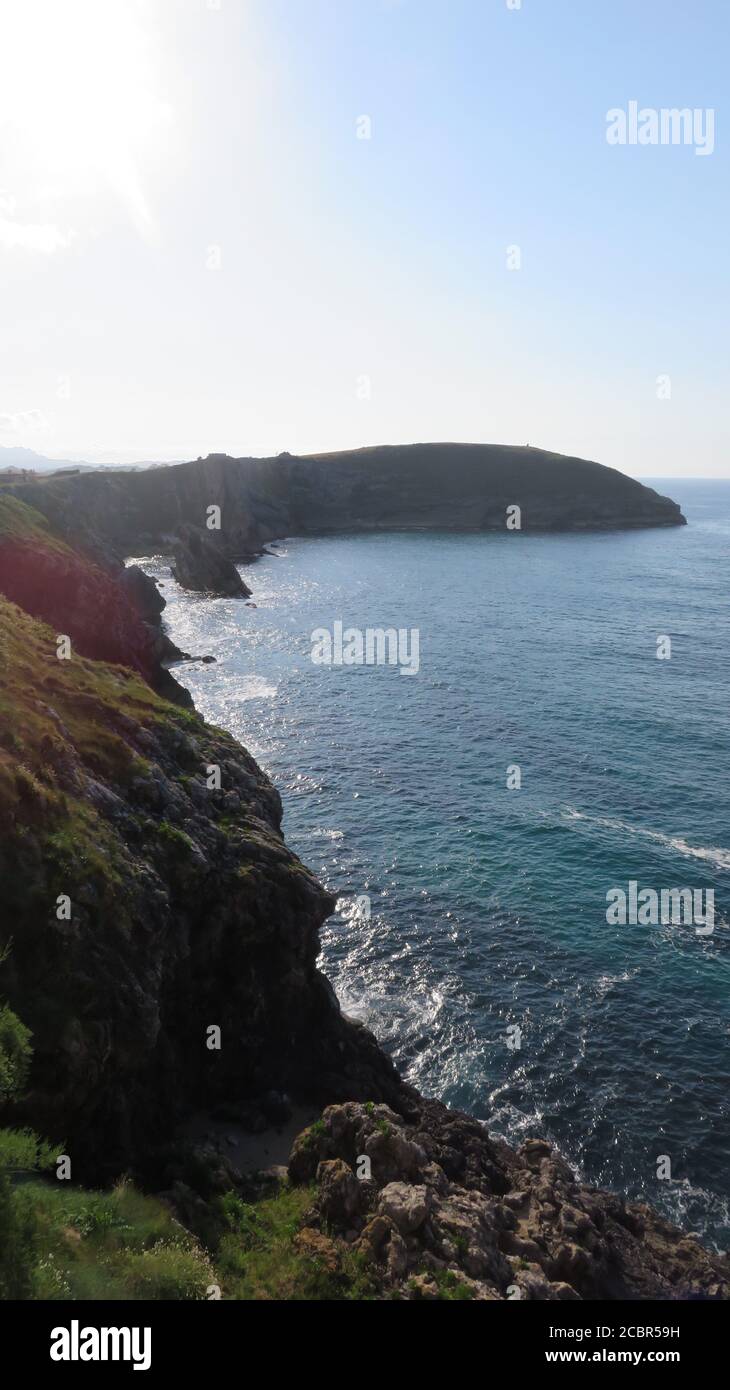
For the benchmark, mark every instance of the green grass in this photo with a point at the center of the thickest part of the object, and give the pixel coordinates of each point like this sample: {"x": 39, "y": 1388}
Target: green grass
{"x": 21, "y": 523}
{"x": 177, "y": 840}
{"x": 109, "y": 1245}
{"x": 71, "y": 1243}
{"x": 451, "y": 1288}
{"x": 259, "y": 1257}
{"x": 56, "y": 715}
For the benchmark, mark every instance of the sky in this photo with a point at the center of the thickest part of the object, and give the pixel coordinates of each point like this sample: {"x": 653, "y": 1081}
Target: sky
{"x": 248, "y": 226}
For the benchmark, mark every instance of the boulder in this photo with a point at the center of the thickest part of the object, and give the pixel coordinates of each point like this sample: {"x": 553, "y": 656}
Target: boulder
{"x": 404, "y": 1205}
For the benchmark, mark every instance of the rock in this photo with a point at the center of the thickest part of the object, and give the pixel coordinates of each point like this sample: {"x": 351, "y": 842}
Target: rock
{"x": 188, "y": 910}
{"x": 391, "y": 1154}
{"x": 404, "y": 1205}
{"x": 476, "y": 1237}
{"x": 564, "y": 1293}
{"x": 307, "y": 1150}
{"x": 111, "y": 613}
{"x": 339, "y": 1198}
{"x": 571, "y": 1263}
{"x": 534, "y": 1151}
{"x": 423, "y": 1286}
{"x": 275, "y": 1175}
{"x": 521, "y": 1247}
{"x": 318, "y": 1247}
{"x": 574, "y": 1223}
{"x": 535, "y": 1286}
{"x": 374, "y": 1237}
{"x": 201, "y": 564}
{"x": 397, "y": 1257}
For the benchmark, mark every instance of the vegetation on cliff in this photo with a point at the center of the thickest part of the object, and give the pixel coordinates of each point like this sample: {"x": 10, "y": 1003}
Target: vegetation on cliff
{"x": 150, "y": 897}
{"x": 110, "y": 613}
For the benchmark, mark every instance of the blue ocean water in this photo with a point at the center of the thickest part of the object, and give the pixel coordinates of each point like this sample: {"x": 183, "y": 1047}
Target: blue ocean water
{"x": 488, "y": 905}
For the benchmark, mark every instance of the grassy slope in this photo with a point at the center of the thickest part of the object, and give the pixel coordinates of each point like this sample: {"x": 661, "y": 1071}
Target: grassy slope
{"x": 46, "y": 706}
{"x": 123, "y": 1245}
{"x": 19, "y": 522}
{"x": 50, "y": 708}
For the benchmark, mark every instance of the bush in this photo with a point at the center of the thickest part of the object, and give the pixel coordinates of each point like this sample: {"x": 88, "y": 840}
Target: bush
{"x": 167, "y": 1271}
{"x": 18, "y": 1242}
{"x": 15, "y": 1053}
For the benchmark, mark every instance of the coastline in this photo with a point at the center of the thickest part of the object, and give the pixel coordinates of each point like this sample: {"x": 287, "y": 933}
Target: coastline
{"x": 494, "y": 1217}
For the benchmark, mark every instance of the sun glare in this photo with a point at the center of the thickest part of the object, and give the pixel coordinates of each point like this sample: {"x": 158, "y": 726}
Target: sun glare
{"x": 80, "y": 108}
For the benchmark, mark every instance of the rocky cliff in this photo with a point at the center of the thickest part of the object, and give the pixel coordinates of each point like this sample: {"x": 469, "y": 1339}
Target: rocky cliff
{"x": 147, "y": 890}
{"x": 163, "y": 943}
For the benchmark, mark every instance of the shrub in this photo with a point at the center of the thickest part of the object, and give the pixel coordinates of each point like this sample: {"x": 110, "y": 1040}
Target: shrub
{"x": 15, "y": 1053}
{"x": 18, "y": 1243}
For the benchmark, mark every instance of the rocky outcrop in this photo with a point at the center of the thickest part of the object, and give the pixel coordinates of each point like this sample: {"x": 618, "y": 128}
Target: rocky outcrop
{"x": 436, "y": 1209}
{"x": 201, "y": 564}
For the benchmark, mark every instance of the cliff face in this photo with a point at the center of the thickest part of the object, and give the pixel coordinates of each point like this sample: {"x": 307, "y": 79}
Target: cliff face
{"x": 147, "y": 905}
{"x": 468, "y": 487}
{"x": 110, "y": 612}
{"x": 437, "y": 486}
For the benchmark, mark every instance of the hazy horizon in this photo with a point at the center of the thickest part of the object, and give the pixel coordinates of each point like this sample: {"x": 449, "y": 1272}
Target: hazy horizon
{"x": 236, "y": 226}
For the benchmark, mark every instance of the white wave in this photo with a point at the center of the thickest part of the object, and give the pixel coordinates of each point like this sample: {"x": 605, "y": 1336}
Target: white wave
{"x": 255, "y": 688}
{"x": 717, "y": 856}
{"x": 605, "y": 983}
{"x": 323, "y": 834}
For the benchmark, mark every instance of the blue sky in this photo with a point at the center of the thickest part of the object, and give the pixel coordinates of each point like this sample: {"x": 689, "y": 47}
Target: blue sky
{"x": 359, "y": 290}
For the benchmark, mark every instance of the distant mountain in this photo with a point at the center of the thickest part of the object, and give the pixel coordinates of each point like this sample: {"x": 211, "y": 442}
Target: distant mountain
{"x": 17, "y": 459}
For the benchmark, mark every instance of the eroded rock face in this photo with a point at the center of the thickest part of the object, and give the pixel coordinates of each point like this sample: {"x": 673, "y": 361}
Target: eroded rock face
{"x": 512, "y": 1224}
{"x": 202, "y": 565}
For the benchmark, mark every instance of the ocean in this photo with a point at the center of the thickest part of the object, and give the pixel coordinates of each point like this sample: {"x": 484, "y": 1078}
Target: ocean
{"x": 471, "y": 933}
